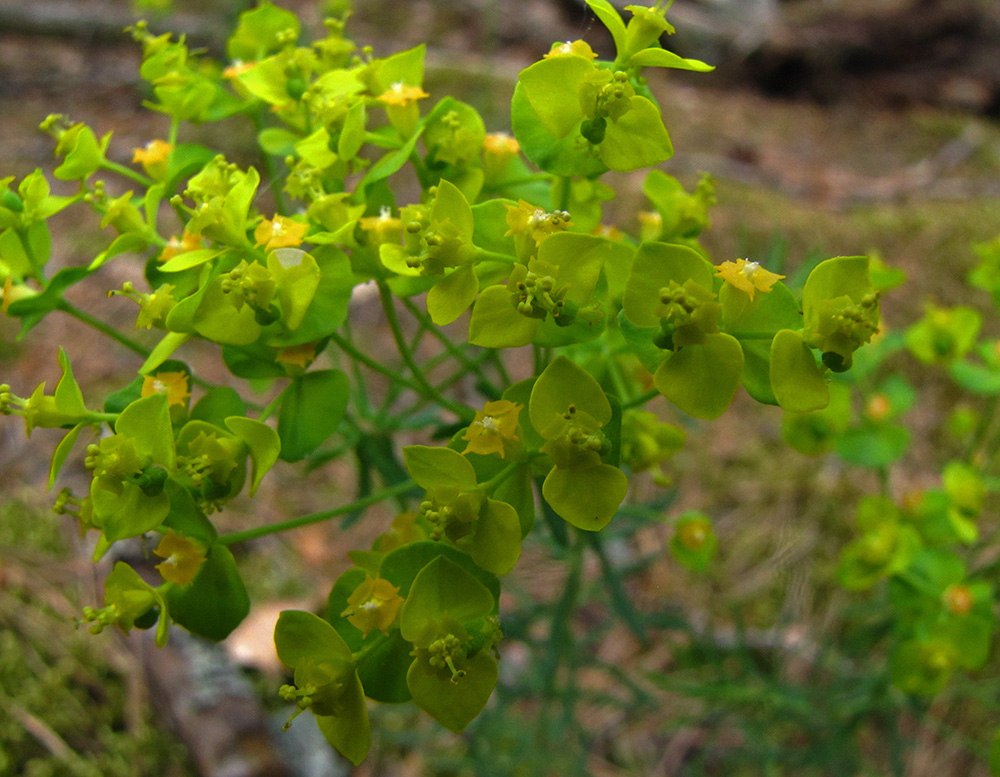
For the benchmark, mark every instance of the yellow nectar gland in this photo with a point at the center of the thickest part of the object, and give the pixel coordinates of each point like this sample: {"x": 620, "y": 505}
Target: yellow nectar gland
{"x": 297, "y": 355}
{"x": 173, "y": 384}
{"x": 373, "y": 605}
{"x": 747, "y": 276}
{"x": 500, "y": 144}
{"x": 280, "y": 232}
{"x": 496, "y": 422}
{"x": 579, "y": 48}
{"x": 182, "y": 556}
{"x": 401, "y": 94}
{"x": 175, "y": 246}
{"x": 154, "y": 151}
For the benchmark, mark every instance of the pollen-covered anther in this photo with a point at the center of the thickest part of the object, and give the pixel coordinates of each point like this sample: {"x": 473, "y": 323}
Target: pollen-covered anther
{"x": 537, "y": 218}
{"x": 489, "y": 423}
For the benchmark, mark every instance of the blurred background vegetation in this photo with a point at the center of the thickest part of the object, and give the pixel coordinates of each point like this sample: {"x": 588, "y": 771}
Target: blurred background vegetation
{"x": 831, "y": 127}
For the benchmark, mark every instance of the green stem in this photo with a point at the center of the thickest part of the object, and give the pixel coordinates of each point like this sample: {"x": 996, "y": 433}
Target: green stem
{"x": 462, "y": 372}
{"x": 482, "y": 255}
{"x": 118, "y": 337}
{"x": 981, "y": 433}
{"x": 619, "y": 596}
{"x": 323, "y": 515}
{"x": 269, "y": 169}
{"x": 615, "y": 374}
{"x": 640, "y": 400}
{"x": 883, "y": 480}
{"x": 561, "y": 634}
{"x": 349, "y": 348}
{"x": 128, "y": 172}
{"x": 565, "y": 183}
{"x": 454, "y": 351}
{"x": 538, "y": 359}
{"x": 101, "y": 418}
{"x": 103, "y": 328}
{"x": 358, "y": 656}
{"x": 443, "y": 385}
{"x": 426, "y": 389}
{"x": 511, "y": 182}
{"x": 268, "y": 411}
{"x": 497, "y": 359}
{"x": 491, "y": 485}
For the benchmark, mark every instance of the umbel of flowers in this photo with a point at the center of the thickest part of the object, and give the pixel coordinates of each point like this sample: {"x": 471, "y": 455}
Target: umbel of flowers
{"x": 507, "y": 230}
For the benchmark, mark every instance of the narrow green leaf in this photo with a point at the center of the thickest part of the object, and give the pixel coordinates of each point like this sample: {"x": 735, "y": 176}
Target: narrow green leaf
{"x": 69, "y": 398}
{"x": 62, "y": 451}
{"x": 653, "y": 57}
{"x": 163, "y": 350}
{"x": 611, "y": 19}
{"x": 130, "y": 242}
{"x": 190, "y": 259}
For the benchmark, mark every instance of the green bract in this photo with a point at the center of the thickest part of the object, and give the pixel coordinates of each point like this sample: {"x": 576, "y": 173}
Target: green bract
{"x": 457, "y": 509}
{"x": 447, "y": 617}
{"x": 326, "y": 681}
{"x": 548, "y": 301}
{"x": 840, "y": 309}
{"x": 569, "y": 410}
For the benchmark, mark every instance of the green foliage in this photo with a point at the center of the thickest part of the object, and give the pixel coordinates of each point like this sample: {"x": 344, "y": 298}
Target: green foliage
{"x": 260, "y": 266}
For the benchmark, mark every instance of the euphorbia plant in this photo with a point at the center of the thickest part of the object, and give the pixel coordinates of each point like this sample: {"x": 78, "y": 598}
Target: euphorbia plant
{"x": 613, "y": 319}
